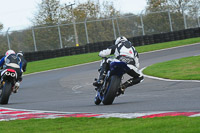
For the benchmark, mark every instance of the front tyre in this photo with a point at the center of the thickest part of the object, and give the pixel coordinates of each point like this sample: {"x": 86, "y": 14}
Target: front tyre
{"x": 97, "y": 100}
{"x": 113, "y": 86}
{"x": 5, "y": 92}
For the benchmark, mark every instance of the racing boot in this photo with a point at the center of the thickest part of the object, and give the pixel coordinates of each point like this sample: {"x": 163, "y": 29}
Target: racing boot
{"x": 102, "y": 75}
{"x": 16, "y": 87}
{"x": 122, "y": 88}
{"x": 100, "y": 80}
{"x": 130, "y": 82}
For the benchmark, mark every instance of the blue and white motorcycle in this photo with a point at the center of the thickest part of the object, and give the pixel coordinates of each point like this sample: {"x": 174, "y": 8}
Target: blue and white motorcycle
{"x": 110, "y": 88}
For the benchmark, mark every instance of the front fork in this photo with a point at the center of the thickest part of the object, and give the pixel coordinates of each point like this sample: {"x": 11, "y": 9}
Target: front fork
{"x": 101, "y": 89}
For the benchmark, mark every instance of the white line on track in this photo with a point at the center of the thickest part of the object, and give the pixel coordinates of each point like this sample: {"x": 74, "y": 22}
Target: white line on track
{"x": 77, "y": 88}
{"x": 42, "y": 111}
{"x": 197, "y": 55}
{"x": 168, "y": 80}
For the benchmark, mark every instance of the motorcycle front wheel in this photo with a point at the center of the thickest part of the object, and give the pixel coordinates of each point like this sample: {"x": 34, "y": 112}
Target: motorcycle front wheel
{"x": 97, "y": 100}
{"x": 111, "y": 90}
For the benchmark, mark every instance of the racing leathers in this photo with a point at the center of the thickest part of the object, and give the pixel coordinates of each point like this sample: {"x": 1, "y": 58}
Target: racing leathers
{"x": 124, "y": 51}
{"x": 12, "y": 61}
{"x": 23, "y": 62}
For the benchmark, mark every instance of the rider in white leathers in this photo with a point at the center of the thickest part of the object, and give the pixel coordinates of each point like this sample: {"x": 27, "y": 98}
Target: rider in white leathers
{"x": 123, "y": 51}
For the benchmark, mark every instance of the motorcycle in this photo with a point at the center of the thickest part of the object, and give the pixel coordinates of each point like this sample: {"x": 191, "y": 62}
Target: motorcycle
{"x": 110, "y": 88}
{"x": 7, "y": 86}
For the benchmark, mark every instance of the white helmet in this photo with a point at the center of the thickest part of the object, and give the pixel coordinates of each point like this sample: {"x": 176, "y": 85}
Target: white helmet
{"x": 20, "y": 53}
{"x": 9, "y": 52}
{"x": 120, "y": 39}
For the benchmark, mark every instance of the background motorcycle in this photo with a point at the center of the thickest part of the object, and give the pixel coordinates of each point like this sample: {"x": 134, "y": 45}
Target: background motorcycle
{"x": 8, "y": 80}
{"x": 107, "y": 92}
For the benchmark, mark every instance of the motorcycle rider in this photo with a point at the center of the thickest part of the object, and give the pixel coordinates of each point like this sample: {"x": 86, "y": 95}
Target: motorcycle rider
{"x": 12, "y": 61}
{"x": 20, "y": 54}
{"x": 123, "y": 51}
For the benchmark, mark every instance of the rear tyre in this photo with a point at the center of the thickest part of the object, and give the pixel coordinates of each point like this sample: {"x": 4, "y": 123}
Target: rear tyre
{"x": 111, "y": 90}
{"x": 5, "y": 93}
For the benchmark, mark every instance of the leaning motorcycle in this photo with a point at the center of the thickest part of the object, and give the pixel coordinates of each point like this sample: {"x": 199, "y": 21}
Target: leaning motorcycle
{"x": 7, "y": 86}
{"x": 110, "y": 88}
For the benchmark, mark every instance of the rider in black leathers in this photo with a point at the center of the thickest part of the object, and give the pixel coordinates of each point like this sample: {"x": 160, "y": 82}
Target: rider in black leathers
{"x": 20, "y": 54}
{"x": 12, "y": 61}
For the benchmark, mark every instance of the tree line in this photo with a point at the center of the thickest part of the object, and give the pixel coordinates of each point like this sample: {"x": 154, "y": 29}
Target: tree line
{"x": 60, "y": 16}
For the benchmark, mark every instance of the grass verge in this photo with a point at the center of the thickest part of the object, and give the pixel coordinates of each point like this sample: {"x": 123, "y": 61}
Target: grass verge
{"x": 183, "y": 69}
{"x": 48, "y": 64}
{"x": 159, "y": 46}
{"x": 60, "y": 62}
{"x": 178, "y": 124}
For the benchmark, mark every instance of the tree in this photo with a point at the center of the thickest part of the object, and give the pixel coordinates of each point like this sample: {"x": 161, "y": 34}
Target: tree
{"x": 156, "y": 5}
{"x": 99, "y": 30}
{"x": 1, "y": 26}
{"x": 194, "y": 13}
{"x": 89, "y": 10}
{"x": 183, "y": 13}
{"x": 60, "y": 17}
{"x": 156, "y": 19}
{"x": 48, "y": 13}
{"x": 179, "y": 5}
{"x": 174, "y": 5}
{"x": 188, "y": 10}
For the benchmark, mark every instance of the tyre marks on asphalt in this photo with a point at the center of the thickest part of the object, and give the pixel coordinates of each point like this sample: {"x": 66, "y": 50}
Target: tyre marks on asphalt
{"x": 77, "y": 88}
{"x": 7, "y": 114}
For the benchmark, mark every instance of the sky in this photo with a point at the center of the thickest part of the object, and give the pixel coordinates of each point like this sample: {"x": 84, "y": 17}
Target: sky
{"x": 17, "y": 14}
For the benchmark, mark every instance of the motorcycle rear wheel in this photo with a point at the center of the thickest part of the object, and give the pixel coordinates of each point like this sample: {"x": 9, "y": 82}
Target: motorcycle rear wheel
{"x": 5, "y": 93}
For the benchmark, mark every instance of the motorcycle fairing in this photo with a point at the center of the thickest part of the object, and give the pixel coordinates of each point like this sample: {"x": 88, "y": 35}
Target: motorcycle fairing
{"x": 118, "y": 68}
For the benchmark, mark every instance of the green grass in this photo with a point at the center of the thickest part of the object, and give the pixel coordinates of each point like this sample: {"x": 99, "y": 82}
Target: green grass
{"x": 183, "y": 69}
{"x": 159, "y": 46}
{"x": 48, "y": 64}
{"x": 179, "y": 124}
{"x": 66, "y": 61}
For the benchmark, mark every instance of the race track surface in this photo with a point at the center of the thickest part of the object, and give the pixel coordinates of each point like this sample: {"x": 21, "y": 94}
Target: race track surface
{"x": 71, "y": 90}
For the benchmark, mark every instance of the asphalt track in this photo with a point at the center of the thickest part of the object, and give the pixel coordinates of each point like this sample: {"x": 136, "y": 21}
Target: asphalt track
{"x": 70, "y": 89}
